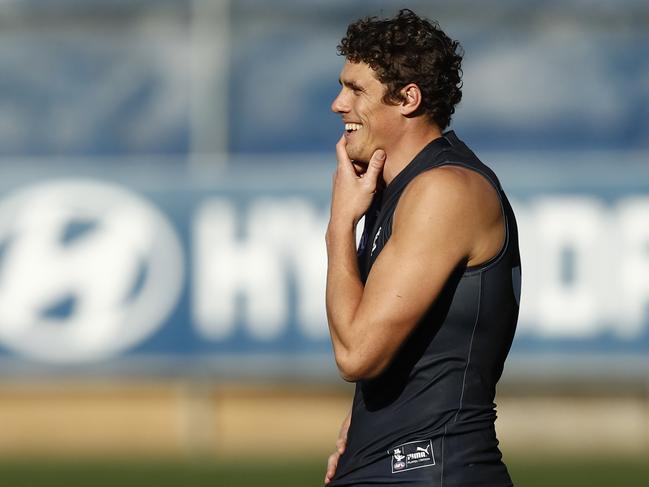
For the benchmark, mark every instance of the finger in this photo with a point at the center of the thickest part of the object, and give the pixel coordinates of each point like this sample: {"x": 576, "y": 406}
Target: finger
{"x": 332, "y": 463}
{"x": 331, "y": 470}
{"x": 340, "y": 445}
{"x": 375, "y": 167}
{"x": 344, "y": 162}
{"x": 341, "y": 150}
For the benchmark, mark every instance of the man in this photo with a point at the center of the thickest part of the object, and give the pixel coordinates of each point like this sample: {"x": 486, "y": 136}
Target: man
{"x": 422, "y": 316}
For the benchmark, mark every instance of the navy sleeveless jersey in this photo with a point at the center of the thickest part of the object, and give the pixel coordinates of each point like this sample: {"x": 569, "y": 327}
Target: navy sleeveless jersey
{"x": 428, "y": 419}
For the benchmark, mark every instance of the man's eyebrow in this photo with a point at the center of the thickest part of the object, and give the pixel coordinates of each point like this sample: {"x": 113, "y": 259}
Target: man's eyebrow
{"x": 350, "y": 84}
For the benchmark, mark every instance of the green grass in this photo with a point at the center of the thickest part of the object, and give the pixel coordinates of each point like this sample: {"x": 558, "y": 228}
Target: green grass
{"x": 596, "y": 472}
{"x": 548, "y": 473}
{"x": 158, "y": 474}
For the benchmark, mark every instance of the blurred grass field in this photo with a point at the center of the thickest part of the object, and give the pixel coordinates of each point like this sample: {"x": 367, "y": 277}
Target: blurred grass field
{"x": 172, "y": 434}
{"x": 593, "y": 472}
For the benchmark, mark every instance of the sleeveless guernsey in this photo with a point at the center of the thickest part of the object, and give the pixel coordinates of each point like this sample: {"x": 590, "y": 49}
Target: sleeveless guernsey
{"x": 428, "y": 419}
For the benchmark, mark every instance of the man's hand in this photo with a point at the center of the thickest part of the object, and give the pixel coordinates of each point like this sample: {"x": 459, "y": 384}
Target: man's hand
{"x": 341, "y": 443}
{"x": 353, "y": 192}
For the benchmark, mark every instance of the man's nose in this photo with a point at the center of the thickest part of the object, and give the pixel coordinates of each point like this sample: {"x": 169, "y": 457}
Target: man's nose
{"x": 340, "y": 105}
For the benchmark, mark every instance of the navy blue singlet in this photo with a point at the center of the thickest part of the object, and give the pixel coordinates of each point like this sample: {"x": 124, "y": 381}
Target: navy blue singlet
{"x": 428, "y": 419}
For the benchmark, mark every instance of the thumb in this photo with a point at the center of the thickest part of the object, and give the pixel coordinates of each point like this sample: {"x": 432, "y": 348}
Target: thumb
{"x": 375, "y": 167}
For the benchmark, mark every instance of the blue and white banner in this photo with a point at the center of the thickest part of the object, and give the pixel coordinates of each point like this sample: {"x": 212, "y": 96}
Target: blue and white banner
{"x": 186, "y": 269}
{"x": 165, "y": 170}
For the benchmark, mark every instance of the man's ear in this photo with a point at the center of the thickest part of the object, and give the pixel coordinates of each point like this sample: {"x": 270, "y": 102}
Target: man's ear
{"x": 411, "y": 96}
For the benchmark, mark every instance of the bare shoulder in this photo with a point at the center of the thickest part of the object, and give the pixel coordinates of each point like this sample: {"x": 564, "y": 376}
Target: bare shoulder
{"x": 457, "y": 201}
{"x": 456, "y": 186}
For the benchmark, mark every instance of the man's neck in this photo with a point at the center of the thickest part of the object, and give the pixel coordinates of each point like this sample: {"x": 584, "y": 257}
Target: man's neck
{"x": 406, "y": 148}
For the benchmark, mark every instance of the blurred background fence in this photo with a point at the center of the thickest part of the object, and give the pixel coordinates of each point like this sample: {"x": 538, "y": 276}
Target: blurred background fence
{"x": 164, "y": 185}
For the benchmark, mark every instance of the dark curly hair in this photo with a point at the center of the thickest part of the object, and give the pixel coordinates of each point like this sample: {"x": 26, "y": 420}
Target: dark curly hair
{"x": 409, "y": 49}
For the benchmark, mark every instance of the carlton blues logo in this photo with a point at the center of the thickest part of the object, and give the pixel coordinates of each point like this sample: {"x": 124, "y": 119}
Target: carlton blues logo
{"x": 415, "y": 454}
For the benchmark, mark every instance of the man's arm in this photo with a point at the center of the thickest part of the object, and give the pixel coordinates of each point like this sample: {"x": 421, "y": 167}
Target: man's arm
{"x": 446, "y": 216}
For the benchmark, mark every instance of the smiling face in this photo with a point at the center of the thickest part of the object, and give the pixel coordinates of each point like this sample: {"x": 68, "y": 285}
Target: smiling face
{"x": 370, "y": 123}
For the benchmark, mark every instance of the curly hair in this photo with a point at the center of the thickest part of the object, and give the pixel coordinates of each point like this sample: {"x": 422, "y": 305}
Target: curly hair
{"x": 409, "y": 49}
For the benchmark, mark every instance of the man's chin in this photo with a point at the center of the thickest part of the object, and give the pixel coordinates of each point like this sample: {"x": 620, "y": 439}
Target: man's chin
{"x": 359, "y": 153}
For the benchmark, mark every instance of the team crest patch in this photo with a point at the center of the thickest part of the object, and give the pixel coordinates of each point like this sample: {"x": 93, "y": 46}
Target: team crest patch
{"x": 411, "y": 455}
